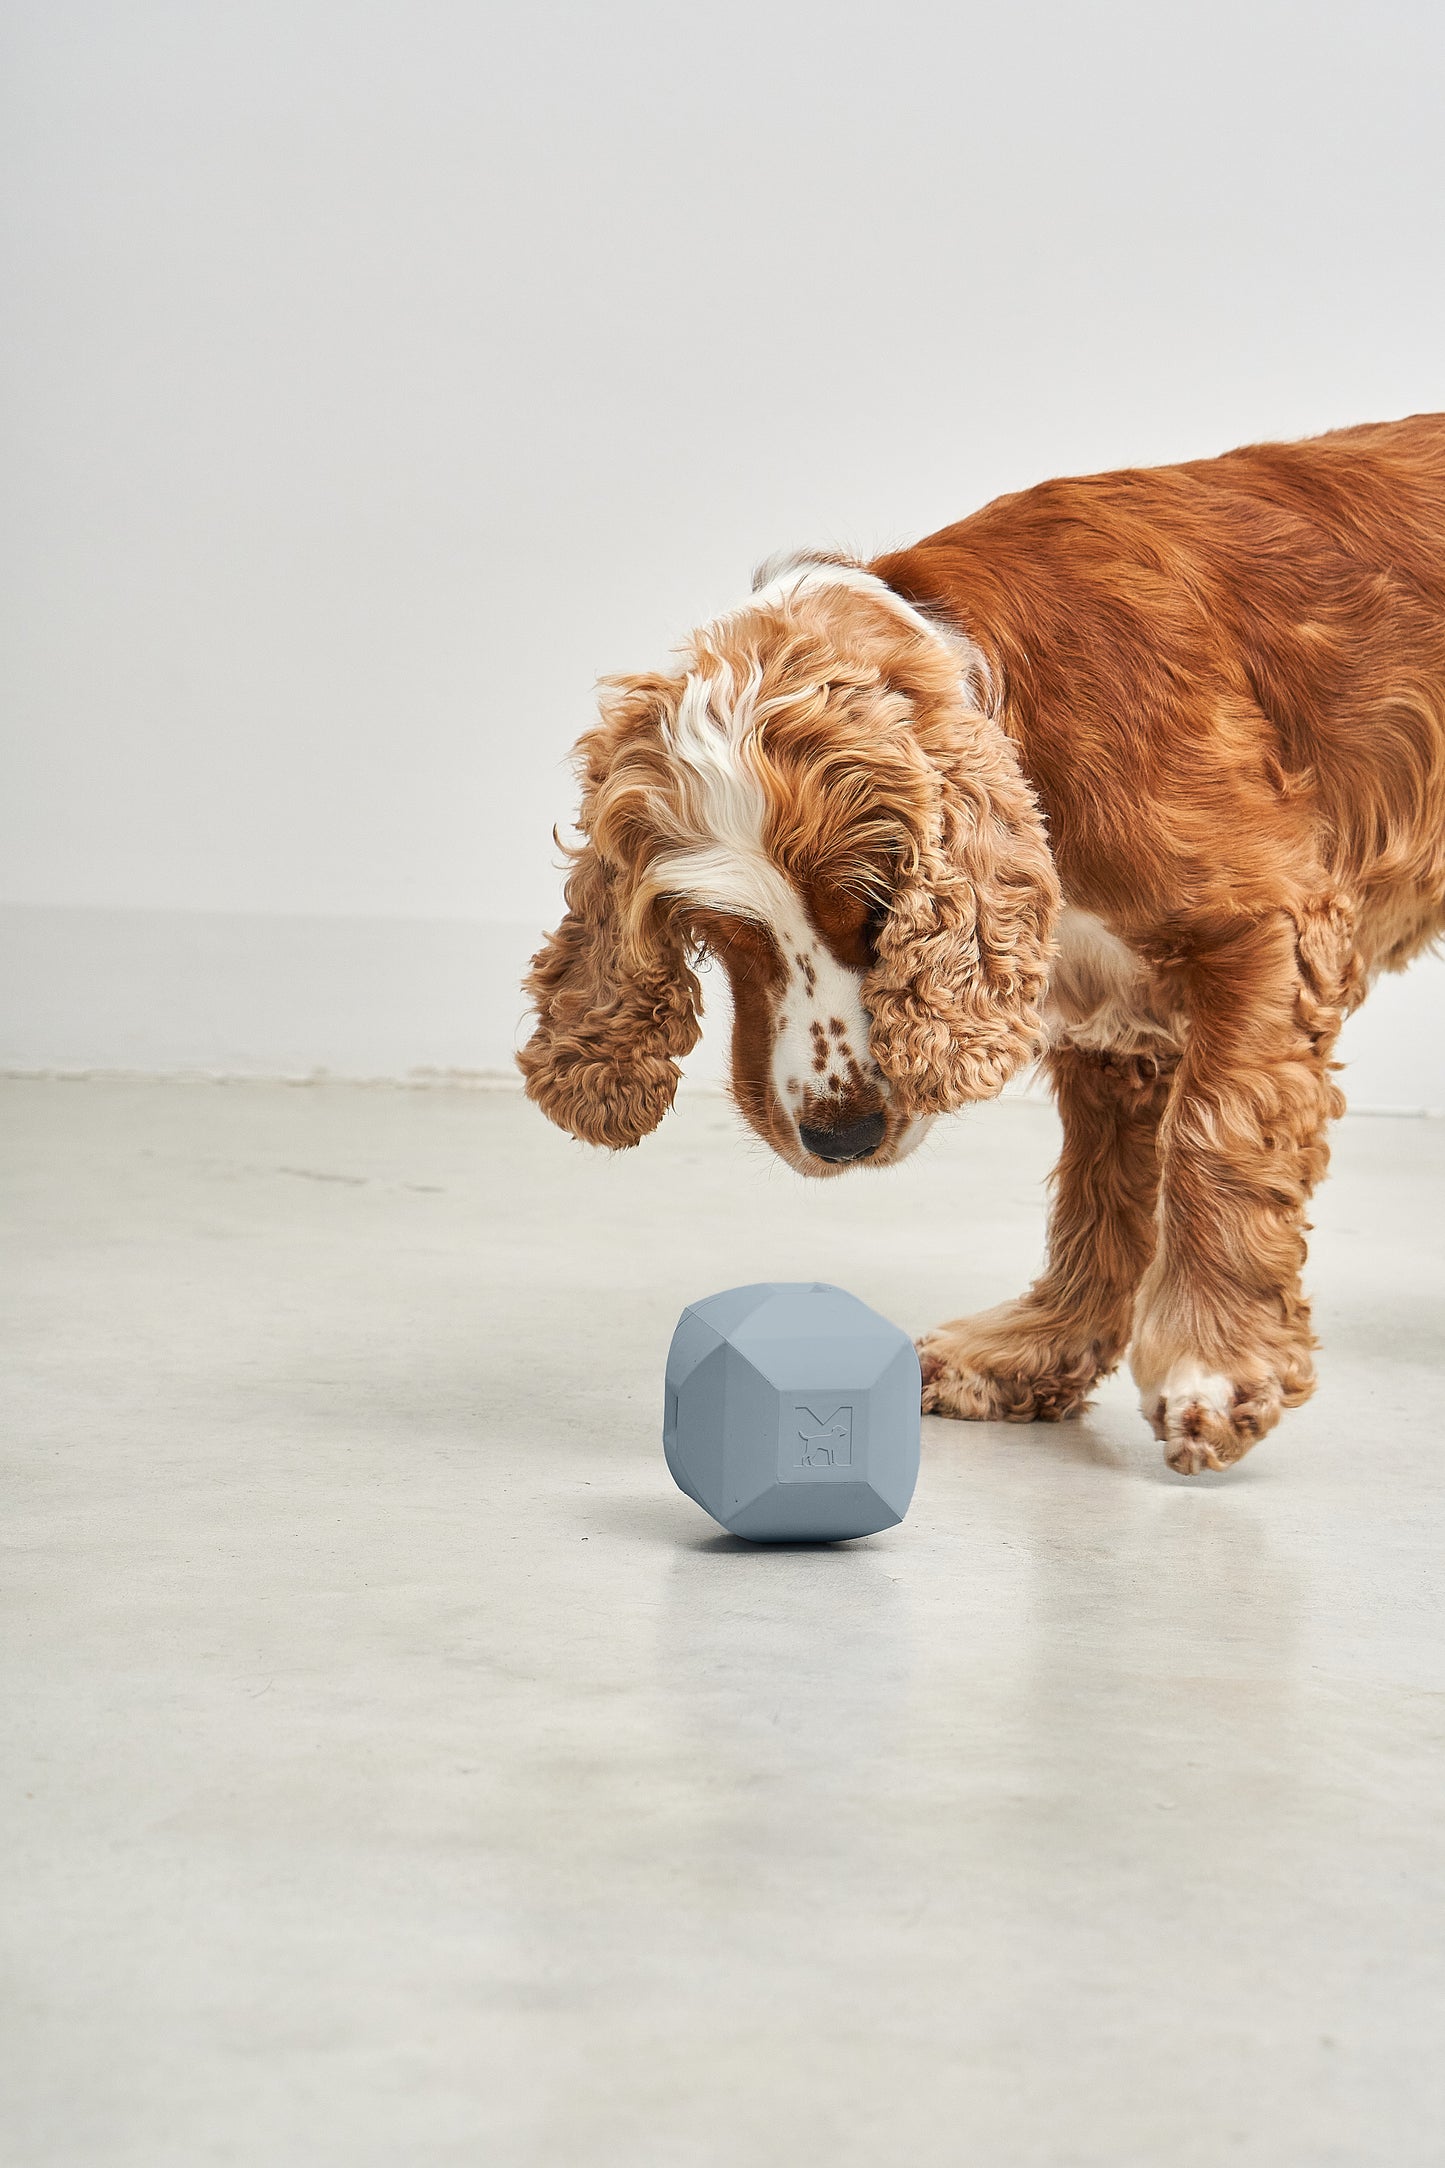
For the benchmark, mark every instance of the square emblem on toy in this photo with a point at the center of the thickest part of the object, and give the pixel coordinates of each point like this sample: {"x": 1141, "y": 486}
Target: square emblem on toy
{"x": 817, "y": 1441}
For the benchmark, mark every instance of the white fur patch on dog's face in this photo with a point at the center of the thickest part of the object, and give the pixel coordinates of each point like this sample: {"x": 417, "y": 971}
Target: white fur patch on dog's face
{"x": 821, "y": 1027}
{"x": 727, "y": 804}
{"x": 821, "y": 1048}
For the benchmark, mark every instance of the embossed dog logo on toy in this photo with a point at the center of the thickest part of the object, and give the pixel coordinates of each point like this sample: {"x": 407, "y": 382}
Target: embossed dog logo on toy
{"x": 827, "y": 1440}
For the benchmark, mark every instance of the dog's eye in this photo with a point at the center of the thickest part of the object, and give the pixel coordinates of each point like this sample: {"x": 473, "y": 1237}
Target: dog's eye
{"x": 708, "y": 934}
{"x": 847, "y": 917}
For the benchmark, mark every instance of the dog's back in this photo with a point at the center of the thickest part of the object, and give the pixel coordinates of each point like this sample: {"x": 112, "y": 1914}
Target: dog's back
{"x": 1190, "y": 649}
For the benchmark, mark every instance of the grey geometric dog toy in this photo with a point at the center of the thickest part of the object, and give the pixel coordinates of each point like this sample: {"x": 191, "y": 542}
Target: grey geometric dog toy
{"x": 792, "y": 1413}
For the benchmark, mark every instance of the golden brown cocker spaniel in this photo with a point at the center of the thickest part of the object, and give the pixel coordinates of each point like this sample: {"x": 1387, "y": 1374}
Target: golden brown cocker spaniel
{"x": 1142, "y": 773}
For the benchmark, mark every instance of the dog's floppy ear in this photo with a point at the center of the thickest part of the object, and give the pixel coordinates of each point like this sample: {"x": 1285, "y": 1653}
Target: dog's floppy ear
{"x": 616, "y": 1009}
{"x": 616, "y": 999}
{"x": 963, "y": 952}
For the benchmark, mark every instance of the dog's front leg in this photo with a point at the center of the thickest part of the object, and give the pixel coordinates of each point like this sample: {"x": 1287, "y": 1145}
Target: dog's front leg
{"x": 1222, "y": 1340}
{"x": 1038, "y": 1359}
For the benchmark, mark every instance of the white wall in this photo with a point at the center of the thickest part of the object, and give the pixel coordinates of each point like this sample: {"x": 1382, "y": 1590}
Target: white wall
{"x": 379, "y": 373}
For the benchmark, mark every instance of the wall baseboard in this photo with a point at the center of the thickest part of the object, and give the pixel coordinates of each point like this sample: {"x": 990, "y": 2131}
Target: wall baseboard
{"x": 242, "y": 994}
{"x": 201, "y": 993}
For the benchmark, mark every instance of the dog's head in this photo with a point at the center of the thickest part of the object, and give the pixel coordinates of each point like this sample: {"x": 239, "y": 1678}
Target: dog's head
{"x": 818, "y": 798}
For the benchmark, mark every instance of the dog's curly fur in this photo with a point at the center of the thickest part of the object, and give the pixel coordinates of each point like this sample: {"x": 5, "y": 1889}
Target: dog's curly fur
{"x": 1143, "y": 772}
{"x": 613, "y": 987}
{"x": 961, "y": 957}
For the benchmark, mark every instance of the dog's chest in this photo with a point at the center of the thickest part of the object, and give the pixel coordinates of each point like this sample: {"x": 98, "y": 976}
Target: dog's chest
{"x": 1101, "y": 995}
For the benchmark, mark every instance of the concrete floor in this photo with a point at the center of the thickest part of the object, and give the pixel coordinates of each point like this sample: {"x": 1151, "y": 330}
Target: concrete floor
{"x": 400, "y": 1771}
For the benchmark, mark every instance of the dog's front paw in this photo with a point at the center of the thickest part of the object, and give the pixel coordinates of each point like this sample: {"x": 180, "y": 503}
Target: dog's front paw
{"x": 1003, "y": 1367}
{"x": 1205, "y": 1420}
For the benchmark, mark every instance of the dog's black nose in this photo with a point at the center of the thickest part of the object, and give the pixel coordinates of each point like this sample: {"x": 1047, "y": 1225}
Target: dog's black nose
{"x": 857, "y": 1141}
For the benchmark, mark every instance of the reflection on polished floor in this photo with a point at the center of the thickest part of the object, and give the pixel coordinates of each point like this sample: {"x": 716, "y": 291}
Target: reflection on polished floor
{"x": 400, "y": 1770}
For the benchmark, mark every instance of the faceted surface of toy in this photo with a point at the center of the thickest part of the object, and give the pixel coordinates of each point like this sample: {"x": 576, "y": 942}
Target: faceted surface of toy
{"x": 792, "y": 1413}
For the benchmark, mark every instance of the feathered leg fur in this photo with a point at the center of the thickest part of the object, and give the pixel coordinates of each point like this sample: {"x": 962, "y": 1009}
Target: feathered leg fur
{"x": 1222, "y": 1341}
{"x": 1038, "y": 1359}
